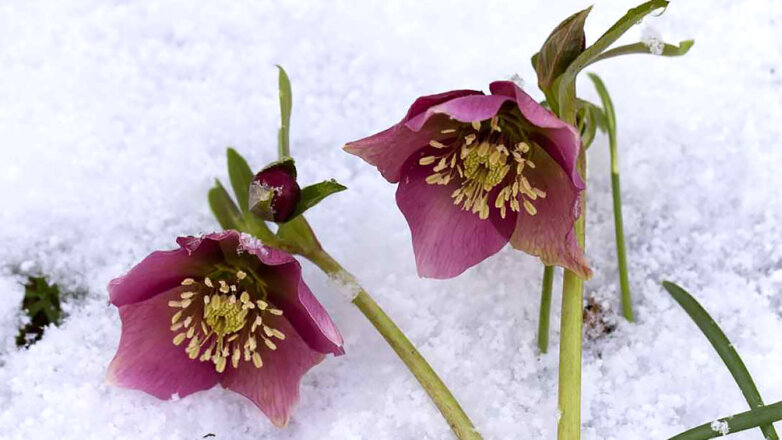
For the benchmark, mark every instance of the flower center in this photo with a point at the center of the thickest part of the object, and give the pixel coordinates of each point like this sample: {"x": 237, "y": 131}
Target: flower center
{"x": 483, "y": 159}
{"x": 222, "y": 324}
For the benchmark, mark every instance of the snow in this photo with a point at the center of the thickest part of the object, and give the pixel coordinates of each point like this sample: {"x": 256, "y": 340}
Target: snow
{"x": 115, "y": 116}
{"x": 720, "y": 426}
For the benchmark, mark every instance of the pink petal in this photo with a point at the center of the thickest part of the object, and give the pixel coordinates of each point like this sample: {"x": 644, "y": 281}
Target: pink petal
{"x": 148, "y": 360}
{"x": 446, "y": 240}
{"x": 290, "y": 293}
{"x": 163, "y": 270}
{"x": 549, "y": 233}
{"x": 389, "y": 149}
{"x": 560, "y": 139}
{"x": 465, "y": 109}
{"x": 274, "y": 388}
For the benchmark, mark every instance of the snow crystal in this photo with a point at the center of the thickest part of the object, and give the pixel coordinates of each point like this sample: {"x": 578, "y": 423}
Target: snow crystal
{"x": 114, "y": 119}
{"x": 651, "y": 38}
{"x": 720, "y": 426}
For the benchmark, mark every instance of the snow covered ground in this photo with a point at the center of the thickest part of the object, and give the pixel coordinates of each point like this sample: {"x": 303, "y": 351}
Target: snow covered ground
{"x": 114, "y": 118}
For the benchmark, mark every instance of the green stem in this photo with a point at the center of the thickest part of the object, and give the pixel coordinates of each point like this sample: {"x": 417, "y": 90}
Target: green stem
{"x": 545, "y": 308}
{"x": 569, "y": 426}
{"x": 621, "y": 253}
{"x": 438, "y": 392}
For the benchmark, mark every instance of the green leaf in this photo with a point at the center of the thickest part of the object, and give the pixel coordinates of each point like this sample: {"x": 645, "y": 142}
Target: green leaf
{"x": 241, "y": 175}
{"x": 561, "y": 47}
{"x": 589, "y": 118}
{"x": 564, "y": 84}
{"x": 669, "y": 50}
{"x": 724, "y": 349}
{"x": 286, "y": 104}
{"x": 298, "y": 233}
{"x": 586, "y": 126}
{"x": 608, "y": 107}
{"x": 313, "y": 194}
{"x": 41, "y": 303}
{"x": 224, "y": 209}
{"x": 762, "y": 416}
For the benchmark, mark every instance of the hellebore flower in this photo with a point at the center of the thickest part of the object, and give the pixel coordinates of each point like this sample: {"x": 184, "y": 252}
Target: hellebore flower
{"x": 476, "y": 171}
{"x": 274, "y": 192}
{"x": 220, "y": 309}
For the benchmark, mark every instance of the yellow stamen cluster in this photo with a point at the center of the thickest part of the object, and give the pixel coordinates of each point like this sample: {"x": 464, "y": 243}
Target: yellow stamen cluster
{"x": 481, "y": 161}
{"x": 222, "y": 324}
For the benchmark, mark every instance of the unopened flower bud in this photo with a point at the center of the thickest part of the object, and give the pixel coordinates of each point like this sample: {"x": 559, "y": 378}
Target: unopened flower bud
{"x": 274, "y": 192}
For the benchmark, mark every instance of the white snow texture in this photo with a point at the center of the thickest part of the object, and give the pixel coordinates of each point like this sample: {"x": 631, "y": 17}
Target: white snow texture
{"x": 114, "y": 119}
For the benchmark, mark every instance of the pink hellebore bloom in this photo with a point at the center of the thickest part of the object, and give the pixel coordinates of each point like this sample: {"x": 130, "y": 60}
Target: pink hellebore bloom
{"x": 476, "y": 171}
{"x": 224, "y": 309}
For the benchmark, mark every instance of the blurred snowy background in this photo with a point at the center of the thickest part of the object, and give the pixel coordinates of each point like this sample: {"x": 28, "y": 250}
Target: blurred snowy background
{"x": 114, "y": 118}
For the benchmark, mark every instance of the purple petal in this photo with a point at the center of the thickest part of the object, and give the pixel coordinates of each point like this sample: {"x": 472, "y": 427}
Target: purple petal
{"x": 465, "y": 109}
{"x": 274, "y": 388}
{"x": 288, "y": 291}
{"x": 148, "y": 360}
{"x": 549, "y": 234}
{"x": 389, "y": 149}
{"x": 163, "y": 270}
{"x": 446, "y": 240}
{"x": 560, "y": 139}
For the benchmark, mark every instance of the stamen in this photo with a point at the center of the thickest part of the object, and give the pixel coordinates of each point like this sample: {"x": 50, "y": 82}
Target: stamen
{"x": 530, "y": 208}
{"x": 188, "y": 281}
{"x": 178, "y": 339}
{"x": 270, "y": 344}
{"x": 257, "y": 361}
{"x": 426, "y": 160}
{"x": 476, "y": 125}
{"x": 240, "y": 275}
{"x": 436, "y": 144}
{"x": 448, "y": 131}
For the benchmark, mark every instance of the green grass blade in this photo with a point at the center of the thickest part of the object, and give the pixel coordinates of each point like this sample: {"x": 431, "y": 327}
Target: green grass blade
{"x": 616, "y": 193}
{"x": 286, "y": 104}
{"x": 763, "y": 416}
{"x": 724, "y": 349}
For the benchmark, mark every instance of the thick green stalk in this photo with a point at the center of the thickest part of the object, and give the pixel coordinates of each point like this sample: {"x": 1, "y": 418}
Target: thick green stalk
{"x": 438, "y": 392}
{"x": 569, "y": 426}
{"x": 545, "y": 308}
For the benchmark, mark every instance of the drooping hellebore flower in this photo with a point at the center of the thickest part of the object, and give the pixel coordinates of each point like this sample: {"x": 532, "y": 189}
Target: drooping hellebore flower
{"x": 476, "y": 171}
{"x": 223, "y": 309}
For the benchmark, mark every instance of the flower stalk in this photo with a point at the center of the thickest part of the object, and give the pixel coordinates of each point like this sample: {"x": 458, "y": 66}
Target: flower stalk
{"x": 569, "y": 397}
{"x": 545, "y": 308}
{"x": 447, "y": 404}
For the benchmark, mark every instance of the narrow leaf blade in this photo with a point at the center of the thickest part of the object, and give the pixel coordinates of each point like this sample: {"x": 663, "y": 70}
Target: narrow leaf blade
{"x": 241, "y": 175}
{"x": 223, "y": 208}
{"x": 669, "y": 50}
{"x": 763, "y": 416}
{"x": 313, "y": 194}
{"x": 724, "y": 349}
{"x": 286, "y": 106}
